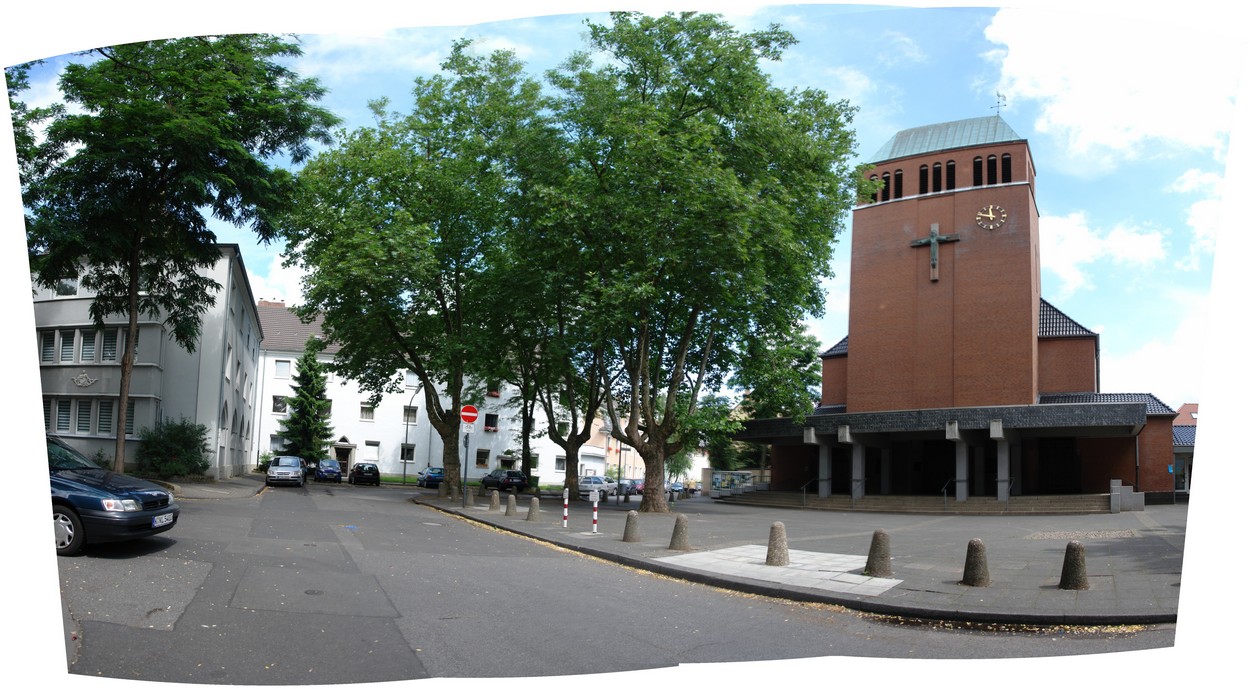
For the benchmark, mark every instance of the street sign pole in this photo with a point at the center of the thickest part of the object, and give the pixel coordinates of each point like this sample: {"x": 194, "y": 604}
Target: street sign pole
{"x": 468, "y": 414}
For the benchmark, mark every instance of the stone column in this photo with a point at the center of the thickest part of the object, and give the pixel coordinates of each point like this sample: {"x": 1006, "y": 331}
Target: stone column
{"x": 857, "y": 470}
{"x": 1004, "y": 468}
{"x": 825, "y": 469}
{"x": 961, "y": 470}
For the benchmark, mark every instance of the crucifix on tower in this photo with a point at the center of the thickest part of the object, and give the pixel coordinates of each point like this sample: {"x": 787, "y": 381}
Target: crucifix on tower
{"x": 932, "y": 241}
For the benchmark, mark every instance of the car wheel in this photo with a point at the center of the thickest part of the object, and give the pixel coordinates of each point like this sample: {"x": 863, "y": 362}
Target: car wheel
{"x": 68, "y": 529}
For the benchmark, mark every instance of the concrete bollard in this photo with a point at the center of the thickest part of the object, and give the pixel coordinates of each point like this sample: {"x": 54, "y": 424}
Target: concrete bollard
{"x": 468, "y": 496}
{"x": 1073, "y": 577}
{"x": 533, "y": 513}
{"x": 632, "y": 534}
{"x": 976, "y": 568}
{"x": 879, "y": 555}
{"x": 442, "y": 489}
{"x": 494, "y": 501}
{"x": 681, "y": 537}
{"x": 510, "y": 511}
{"x": 778, "y": 547}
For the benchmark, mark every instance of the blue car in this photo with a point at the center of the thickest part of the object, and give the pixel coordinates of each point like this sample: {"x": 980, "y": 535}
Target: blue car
{"x": 329, "y": 470}
{"x": 91, "y": 504}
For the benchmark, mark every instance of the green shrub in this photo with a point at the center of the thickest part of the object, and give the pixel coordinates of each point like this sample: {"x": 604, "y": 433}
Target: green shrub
{"x": 174, "y": 448}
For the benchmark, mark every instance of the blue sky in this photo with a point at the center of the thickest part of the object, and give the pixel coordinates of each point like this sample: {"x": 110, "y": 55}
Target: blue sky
{"x": 1130, "y": 141}
{"x": 1129, "y": 115}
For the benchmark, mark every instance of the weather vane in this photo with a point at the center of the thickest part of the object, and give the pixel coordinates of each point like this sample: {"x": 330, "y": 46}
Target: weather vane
{"x": 1000, "y": 104}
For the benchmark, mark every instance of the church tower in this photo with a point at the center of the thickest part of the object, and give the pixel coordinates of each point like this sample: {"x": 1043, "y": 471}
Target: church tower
{"x": 945, "y": 277}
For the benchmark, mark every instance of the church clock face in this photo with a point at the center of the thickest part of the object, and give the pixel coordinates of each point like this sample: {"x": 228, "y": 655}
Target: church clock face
{"x": 991, "y": 217}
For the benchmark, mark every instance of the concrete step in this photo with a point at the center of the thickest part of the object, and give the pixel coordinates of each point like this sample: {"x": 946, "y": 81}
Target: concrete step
{"x": 925, "y": 504}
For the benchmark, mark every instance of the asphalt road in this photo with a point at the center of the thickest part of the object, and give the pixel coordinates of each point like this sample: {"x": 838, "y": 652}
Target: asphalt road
{"x": 344, "y": 584}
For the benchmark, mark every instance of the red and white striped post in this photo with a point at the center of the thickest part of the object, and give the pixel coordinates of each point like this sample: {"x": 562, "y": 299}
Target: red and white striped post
{"x": 566, "y": 509}
{"x": 594, "y": 504}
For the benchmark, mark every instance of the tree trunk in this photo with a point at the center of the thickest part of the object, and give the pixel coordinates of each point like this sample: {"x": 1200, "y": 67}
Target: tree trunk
{"x": 654, "y": 488}
{"x": 128, "y": 367}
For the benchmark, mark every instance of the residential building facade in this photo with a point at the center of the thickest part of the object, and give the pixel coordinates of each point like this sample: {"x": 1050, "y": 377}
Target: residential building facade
{"x": 396, "y": 433}
{"x": 214, "y": 385}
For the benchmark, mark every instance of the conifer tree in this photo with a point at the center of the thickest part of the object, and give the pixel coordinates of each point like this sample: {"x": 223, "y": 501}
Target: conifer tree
{"x": 307, "y": 429}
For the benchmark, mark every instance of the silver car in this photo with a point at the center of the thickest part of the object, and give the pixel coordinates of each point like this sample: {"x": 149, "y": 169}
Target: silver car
{"x": 285, "y": 469}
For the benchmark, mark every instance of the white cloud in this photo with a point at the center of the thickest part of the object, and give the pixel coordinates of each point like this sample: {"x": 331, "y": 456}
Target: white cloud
{"x": 900, "y": 49}
{"x": 1113, "y": 88}
{"x": 279, "y": 283}
{"x": 1070, "y": 248}
{"x": 1204, "y": 214}
{"x": 1139, "y": 370}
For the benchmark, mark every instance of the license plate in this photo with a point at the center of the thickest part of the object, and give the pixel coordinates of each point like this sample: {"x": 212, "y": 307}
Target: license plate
{"x": 162, "y": 520}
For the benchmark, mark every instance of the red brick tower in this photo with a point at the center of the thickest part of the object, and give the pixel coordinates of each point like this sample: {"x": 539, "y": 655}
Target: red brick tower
{"x": 945, "y": 284}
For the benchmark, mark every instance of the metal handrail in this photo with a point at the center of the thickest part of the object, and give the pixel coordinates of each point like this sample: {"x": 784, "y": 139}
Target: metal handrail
{"x": 803, "y": 488}
{"x": 1010, "y": 482}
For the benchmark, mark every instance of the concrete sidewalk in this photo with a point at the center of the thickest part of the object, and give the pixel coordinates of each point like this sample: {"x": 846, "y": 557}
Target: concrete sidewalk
{"x": 1133, "y": 559}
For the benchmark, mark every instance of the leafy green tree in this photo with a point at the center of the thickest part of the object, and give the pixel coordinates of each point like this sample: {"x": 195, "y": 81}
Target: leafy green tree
{"x": 164, "y": 133}
{"x": 25, "y": 119}
{"x": 780, "y": 375}
{"x": 394, "y": 227}
{"x": 715, "y": 199}
{"x": 306, "y": 430}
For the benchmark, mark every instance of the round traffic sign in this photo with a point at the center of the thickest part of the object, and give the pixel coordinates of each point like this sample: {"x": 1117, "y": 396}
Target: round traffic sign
{"x": 468, "y": 413}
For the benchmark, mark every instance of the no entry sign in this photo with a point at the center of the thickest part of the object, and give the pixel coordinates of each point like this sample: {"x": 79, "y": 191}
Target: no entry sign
{"x": 468, "y": 413}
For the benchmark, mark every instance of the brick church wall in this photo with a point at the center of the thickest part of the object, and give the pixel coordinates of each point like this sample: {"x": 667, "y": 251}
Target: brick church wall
{"x": 1067, "y": 365}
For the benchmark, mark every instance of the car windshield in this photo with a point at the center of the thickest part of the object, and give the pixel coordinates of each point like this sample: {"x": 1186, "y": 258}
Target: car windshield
{"x": 286, "y": 461}
{"x": 61, "y": 457}
{"x": 329, "y": 464}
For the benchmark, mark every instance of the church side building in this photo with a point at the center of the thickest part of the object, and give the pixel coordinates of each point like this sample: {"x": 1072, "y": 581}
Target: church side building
{"x": 956, "y": 376}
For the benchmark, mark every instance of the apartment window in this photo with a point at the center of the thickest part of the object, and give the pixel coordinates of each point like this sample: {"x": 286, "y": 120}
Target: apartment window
{"x": 104, "y": 420}
{"x": 410, "y": 379}
{"x": 406, "y": 452}
{"x": 67, "y": 288}
{"x": 282, "y": 369}
{"x": 229, "y": 356}
{"x": 560, "y": 460}
{"x": 62, "y": 416}
{"x": 366, "y": 412}
{"x": 130, "y": 418}
{"x": 493, "y": 387}
{"x": 279, "y": 404}
{"x": 491, "y": 423}
{"x": 67, "y": 345}
{"x": 84, "y": 416}
{"x": 47, "y": 345}
{"x": 87, "y": 349}
{"x": 277, "y": 443}
{"x": 410, "y": 414}
{"x": 108, "y": 348}
{"x": 483, "y": 457}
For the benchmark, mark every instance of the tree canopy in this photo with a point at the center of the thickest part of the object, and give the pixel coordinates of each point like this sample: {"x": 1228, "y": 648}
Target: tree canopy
{"x": 395, "y": 225}
{"x": 164, "y": 132}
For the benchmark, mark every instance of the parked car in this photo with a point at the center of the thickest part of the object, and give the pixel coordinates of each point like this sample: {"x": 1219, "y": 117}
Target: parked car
{"x": 430, "y": 477}
{"x": 635, "y": 486}
{"x": 92, "y": 504}
{"x": 364, "y": 472}
{"x": 676, "y": 487}
{"x": 329, "y": 470}
{"x": 586, "y": 484}
{"x": 286, "y": 469}
{"x": 503, "y": 479}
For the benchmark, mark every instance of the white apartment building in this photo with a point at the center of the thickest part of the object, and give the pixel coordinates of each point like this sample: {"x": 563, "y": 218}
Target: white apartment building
{"x": 80, "y": 371}
{"x": 396, "y": 434}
